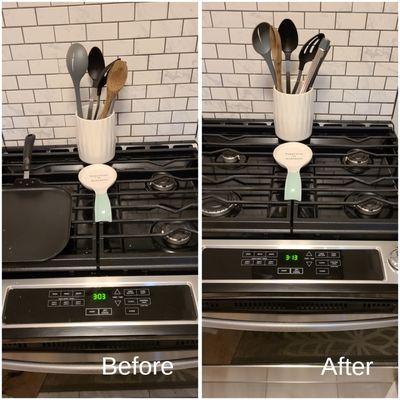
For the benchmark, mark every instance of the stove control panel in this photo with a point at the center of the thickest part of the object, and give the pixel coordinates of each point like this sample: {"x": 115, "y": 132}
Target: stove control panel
{"x": 296, "y": 263}
{"x": 99, "y": 304}
{"x": 333, "y": 264}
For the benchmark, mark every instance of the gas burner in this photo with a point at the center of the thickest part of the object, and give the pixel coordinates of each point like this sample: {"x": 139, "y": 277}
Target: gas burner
{"x": 221, "y": 204}
{"x": 355, "y": 159}
{"x": 231, "y": 159}
{"x": 162, "y": 182}
{"x": 175, "y": 235}
{"x": 367, "y": 205}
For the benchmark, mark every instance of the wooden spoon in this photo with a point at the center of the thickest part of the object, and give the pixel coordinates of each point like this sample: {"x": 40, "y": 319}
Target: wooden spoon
{"x": 276, "y": 50}
{"x": 115, "y": 82}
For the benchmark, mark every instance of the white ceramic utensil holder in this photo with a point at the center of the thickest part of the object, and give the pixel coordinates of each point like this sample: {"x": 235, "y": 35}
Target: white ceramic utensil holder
{"x": 96, "y": 139}
{"x": 293, "y": 115}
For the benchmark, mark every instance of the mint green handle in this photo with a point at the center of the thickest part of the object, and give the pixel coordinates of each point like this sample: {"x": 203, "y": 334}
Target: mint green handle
{"x": 293, "y": 186}
{"x": 102, "y": 208}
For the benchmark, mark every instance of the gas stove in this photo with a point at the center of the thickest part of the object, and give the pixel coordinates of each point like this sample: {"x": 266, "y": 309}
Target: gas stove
{"x": 134, "y": 279}
{"x": 334, "y": 252}
{"x": 154, "y": 209}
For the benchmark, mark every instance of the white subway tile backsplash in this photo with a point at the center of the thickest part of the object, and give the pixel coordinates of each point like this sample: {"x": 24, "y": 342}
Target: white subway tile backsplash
{"x": 52, "y": 15}
{"x": 26, "y": 52}
{"x": 351, "y": 20}
{"x": 363, "y": 57}
{"x": 84, "y": 14}
{"x": 19, "y": 17}
{"x": 149, "y": 46}
{"x": 165, "y": 28}
{"x": 162, "y": 77}
{"x": 118, "y": 12}
{"x": 12, "y": 36}
{"x": 38, "y": 34}
{"x": 151, "y": 11}
{"x": 102, "y": 31}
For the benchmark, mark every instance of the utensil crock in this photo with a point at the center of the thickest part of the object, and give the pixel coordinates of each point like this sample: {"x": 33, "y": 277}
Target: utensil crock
{"x": 96, "y": 139}
{"x": 293, "y": 115}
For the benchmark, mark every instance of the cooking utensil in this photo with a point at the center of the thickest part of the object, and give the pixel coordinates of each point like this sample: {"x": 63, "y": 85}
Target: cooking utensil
{"x": 276, "y": 50}
{"x": 289, "y": 40}
{"x": 293, "y": 156}
{"x": 262, "y": 45}
{"x": 95, "y": 68}
{"x": 116, "y": 79}
{"x": 99, "y": 177}
{"x": 102, "y": 83}
{"x": 307, "y": 54}
{"x": 77, "y": 63}
{"x": 322, "y": 51}
{"x": 36, "y": 217}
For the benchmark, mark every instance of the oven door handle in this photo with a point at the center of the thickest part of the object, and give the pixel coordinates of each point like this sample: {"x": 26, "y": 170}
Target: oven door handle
{"x": 84, "y": 368}
{"x": 323, "y": 326}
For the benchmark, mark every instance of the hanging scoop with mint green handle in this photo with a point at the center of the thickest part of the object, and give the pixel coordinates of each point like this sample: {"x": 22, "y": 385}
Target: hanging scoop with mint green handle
{"x": 99, "y": 178}
{"x": 293, "y": 156}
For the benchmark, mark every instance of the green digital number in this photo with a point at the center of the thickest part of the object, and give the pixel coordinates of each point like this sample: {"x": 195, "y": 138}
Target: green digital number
{"x": 99, "y": 296}
{"x": 291, "y": 257}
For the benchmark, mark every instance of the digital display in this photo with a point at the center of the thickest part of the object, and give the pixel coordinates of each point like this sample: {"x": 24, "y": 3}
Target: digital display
{"x": 99, "y": 296}
{"x": 291, "y": 257}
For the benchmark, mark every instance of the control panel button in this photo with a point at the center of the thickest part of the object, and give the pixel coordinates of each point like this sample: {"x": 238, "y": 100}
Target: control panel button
{"x": 259, "y": 254}
{"x": 321, "y": 263}
{"x": 66, "y": 293}
{"x": 271, "y": 263}
{"x": 272, "y": 254}
{"x": 296, "y": 271}
{"x": 247, "y": 262}
{"x": 322, "y": 271}
{"x": 143, "y": 292}
{"x": 91, "y": 311}
{"x": 53, "y": 303}
{"x": 131, "y": 302}
{"x": 309, "y": 254}
{"x": 118, "y": 302}
{"x": 105, "y": 311}
{"x": 258, "y": 262}
{"x": 131, "y": 310}
{"x": 309, "y": 263}
{"x": 321, "y": 254}
{"x": 117, "y": 292}
{"x": 129, "y": 292}
{"x": 334, "y": 254}
{"x": 144, "y": 302}
{"x": 78, "y": 302}
{"x": 247, "y": 253}
{"x": 335, "y": 263}
{"x": 79, "y": 293}
{"x": 283, "y": 271}
{"x": 54, "y": 293}
{"x": 65, "y": 303}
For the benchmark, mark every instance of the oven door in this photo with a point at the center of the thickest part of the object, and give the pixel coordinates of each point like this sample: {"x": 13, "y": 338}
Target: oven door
{"x": 283, "y": 354}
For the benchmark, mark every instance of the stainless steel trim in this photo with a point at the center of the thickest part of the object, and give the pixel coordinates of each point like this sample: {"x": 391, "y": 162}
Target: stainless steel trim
{"x": 299, "y": 326}
{"x": 82, "y": 368}
{"x": 88, "y": 358}
{"x": 383, "y": 247}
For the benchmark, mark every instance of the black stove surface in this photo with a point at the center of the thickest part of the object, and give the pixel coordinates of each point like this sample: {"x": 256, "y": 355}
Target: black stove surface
{"x": 349, "y": 187}
{"x": 154, "y": 209}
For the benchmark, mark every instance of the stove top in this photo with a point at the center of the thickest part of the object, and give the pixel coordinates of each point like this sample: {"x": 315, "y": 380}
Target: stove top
{"x": 349, "y": 187}
{"x": 154, "y": 209}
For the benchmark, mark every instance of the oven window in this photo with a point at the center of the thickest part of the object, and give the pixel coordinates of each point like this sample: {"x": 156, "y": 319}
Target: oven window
{"x": 231, "y": 347}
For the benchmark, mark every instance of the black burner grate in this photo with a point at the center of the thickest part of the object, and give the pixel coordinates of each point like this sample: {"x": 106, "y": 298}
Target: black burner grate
{"x": 349, "y": 188}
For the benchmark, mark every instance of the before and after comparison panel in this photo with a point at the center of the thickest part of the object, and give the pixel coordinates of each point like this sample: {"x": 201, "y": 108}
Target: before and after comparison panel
{"x": 199, "y": 199}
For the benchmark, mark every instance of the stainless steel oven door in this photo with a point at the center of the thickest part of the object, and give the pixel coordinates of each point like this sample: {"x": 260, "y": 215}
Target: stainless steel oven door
{"x": 283, "y": 355}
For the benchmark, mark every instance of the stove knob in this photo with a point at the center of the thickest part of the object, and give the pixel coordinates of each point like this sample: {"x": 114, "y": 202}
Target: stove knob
{"x": 393, "y": 259}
